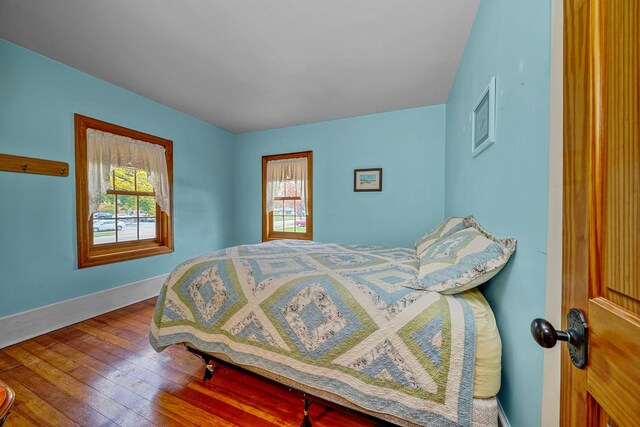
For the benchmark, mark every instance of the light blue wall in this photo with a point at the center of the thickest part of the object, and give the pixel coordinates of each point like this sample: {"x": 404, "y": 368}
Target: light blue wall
{"x": 38, "y": 98}
{"x": 217, "y": 178}
{"x": 408, "y": 145}
{"x": 506, "y": 186}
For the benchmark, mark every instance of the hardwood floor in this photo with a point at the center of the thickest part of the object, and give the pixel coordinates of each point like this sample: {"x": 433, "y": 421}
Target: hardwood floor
{"x": 103, "y": 372}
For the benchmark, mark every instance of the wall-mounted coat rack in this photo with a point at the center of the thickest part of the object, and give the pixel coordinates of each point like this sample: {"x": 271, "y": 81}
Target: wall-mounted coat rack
{"x": 12, "y": 163}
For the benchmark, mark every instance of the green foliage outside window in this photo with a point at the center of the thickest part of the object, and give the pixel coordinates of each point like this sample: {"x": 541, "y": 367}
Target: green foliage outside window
{"x": 128, "y": 179}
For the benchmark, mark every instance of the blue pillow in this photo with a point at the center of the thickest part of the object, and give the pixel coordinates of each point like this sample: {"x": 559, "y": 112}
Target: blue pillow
{"x": 463, "y": 260}
{"x": 445, "y": 228}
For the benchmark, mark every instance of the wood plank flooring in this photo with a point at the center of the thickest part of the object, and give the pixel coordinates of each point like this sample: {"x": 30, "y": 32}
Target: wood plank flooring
{"x": 103, "y": 372}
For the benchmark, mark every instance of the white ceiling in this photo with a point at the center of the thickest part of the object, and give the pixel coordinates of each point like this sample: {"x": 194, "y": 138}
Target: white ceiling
{"x": 247, "y": 65}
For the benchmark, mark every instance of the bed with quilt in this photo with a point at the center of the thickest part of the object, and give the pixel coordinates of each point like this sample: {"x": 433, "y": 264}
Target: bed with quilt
{"x": 400, "y": 334}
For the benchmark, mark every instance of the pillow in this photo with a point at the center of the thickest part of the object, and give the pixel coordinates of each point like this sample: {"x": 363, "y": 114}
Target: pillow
{"x": 445, "y": 228}
{"x": 463, "y": 260}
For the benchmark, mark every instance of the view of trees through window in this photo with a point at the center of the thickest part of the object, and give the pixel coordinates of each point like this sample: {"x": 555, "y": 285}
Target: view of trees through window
{"x": 288, "y": 210}
{"x": 128, "y": 211}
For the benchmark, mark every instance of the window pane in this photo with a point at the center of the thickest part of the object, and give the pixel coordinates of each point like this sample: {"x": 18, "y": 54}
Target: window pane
{"x": 104, "y": 231}
{"x": 289, "y": 212}
{"x": 279, "y": 213}
{"x": 124, "y": 179}
{"x": 278, "y": 221}
{"x": 301, "y": 224}
{"x": 291, "y": 190}
{"x": 142, "y": 182}
{"x": 300, "y": 211}
{"x": 279, "y": 190}
{"x": 107, "y": 207}
{"x": 289, "y": 207}
{"x": 289, "y": 215}
{"x": 277, "y": 209}
{"x": 147, "y": 206}
{"x": 127, "y": 206}
{"x": 128, "y": 230}
{"x": 147, "y": 228}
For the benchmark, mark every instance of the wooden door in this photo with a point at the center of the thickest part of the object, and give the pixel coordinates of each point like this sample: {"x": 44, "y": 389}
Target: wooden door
{"x": 601, "y": 212}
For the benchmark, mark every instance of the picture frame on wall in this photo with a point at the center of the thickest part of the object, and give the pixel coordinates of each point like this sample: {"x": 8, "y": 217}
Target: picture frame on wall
{"x": 483, "y": 120}
{"x": 367, "y": 179}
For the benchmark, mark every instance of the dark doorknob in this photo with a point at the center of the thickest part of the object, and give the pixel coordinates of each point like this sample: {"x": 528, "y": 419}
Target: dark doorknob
{"x": 576, "y": 336}
{"x": 546, "y": 335}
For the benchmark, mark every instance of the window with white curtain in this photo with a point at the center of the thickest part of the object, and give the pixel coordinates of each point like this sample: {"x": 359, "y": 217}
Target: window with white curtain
{"x": 287, "y": 196}
{"x": 123, "y": 193}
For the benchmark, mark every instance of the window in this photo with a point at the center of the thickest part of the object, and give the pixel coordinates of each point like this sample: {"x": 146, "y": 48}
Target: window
{"x": 287, "y": 196}
{"x": 123, "y": 193}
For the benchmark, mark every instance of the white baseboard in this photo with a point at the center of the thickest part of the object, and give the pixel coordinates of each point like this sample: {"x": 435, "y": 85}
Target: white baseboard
{"x": 502, "y": 418}
{"x": 31, "y": 323}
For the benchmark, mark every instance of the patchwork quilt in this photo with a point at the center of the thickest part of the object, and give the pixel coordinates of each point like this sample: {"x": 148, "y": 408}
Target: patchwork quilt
{"x": 337, "y": 318}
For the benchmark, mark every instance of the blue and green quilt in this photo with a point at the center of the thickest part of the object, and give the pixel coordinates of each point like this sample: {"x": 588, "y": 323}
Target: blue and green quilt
{"x": 336, "y": 318}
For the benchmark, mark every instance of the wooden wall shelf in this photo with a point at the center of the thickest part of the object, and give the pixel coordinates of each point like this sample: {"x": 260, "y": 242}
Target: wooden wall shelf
{"x": 20, "y": 164}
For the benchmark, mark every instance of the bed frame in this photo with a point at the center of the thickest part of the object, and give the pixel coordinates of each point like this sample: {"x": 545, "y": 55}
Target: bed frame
{"x": 307, "y": 399}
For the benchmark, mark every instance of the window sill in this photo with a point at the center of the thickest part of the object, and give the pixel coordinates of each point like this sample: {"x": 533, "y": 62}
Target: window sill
{"x": 282, "y": 236}
{"x": 96, "y": 258}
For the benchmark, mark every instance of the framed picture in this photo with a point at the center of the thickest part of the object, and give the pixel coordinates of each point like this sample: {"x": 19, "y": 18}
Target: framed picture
{"x": 367, "y": 179}
{"x": 483, "y": 120}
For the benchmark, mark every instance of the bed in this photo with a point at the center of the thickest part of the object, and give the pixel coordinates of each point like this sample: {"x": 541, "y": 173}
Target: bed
{"x": 346, "y": 324}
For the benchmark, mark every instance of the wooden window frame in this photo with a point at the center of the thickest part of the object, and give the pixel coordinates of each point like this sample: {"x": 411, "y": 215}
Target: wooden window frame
{"x": 267, "y": 219}
{"x": 90, "y": 254}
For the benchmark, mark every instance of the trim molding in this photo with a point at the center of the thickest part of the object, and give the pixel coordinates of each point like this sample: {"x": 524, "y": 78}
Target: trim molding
{"x": 502, "y": 418}
{"x": 31, "y": 323}
{"x": 550, "y": 402}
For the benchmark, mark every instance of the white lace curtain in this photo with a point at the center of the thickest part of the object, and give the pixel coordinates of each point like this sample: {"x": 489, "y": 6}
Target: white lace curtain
{"x": 280, "y": 171}
{"x": 106, "y": 152}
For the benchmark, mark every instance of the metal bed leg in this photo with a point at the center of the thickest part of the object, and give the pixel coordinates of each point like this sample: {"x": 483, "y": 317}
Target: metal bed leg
{"x": 305, "y": 419}
{"x": 209, "y": 367}
{"x": 209, "y": 370}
